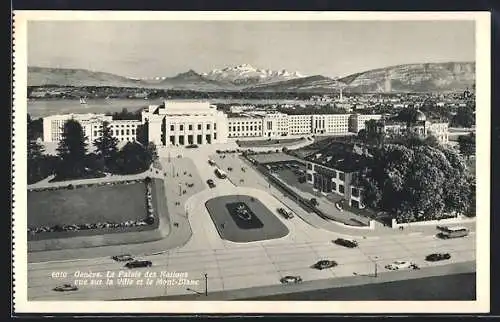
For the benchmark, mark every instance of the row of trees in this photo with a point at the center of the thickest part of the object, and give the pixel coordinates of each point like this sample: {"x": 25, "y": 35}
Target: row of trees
{"x": 73, "y": 162}
{"x": 417, "y": 181}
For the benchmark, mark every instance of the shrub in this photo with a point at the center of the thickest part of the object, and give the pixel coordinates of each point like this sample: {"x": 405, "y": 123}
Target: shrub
{"x": 150, "y": 220}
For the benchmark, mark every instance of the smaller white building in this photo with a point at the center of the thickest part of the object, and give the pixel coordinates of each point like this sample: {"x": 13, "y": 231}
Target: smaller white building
{"x": 53, "y": 125}
{"x": 357, "y": 121}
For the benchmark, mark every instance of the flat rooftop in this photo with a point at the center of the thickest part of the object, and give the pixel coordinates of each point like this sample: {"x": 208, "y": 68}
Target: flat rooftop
{"x": 345, "y": 157}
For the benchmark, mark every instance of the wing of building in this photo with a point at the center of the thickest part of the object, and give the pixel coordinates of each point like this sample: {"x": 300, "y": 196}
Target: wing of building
{"x": 179, "y": 123}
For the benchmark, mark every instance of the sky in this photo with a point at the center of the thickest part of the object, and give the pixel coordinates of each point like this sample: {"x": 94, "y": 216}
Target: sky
{"x": 166, "y": 48}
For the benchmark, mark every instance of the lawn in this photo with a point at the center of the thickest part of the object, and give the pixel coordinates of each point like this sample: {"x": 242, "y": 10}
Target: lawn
{"x": 117, "y": 203}
{"x": 262, "y": 223}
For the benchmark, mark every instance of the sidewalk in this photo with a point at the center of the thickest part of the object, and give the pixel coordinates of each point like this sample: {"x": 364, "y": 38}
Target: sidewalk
{"x": 252, "y": 178}
{"x": 152, "y": 172}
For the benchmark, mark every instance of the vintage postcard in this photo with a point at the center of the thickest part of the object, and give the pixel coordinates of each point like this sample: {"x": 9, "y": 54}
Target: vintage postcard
{"x": 251, "y": 162}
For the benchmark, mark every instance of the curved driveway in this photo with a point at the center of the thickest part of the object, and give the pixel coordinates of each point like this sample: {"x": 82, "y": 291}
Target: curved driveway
{"x": 231, "y": 265}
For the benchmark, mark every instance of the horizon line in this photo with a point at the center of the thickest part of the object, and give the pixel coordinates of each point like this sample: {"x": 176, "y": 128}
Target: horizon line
{"x": 191, "y": 69}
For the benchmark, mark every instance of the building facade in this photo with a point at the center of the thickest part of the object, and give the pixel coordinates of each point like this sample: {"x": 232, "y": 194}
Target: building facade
{"x": 53, "y": 125}
{"x": 300, "y": 124}
{"x": 334, "y": 172}
{"x": 357, "y": 121}
{"x": 92, "y": 125}
{"x": 245, "y": 127}
{"x": 179, "y": 123}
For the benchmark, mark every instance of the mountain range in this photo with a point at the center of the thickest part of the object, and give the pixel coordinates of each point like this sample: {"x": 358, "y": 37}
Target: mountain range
{"x": 426, "y": 77}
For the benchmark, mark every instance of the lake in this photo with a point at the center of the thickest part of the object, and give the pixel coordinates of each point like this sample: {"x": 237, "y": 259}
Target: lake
{"x": 42, "y": 108}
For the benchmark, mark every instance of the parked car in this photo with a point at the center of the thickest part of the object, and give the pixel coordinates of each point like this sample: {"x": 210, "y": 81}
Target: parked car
{"x": 396, "y": 265}
{"x": 211, "y": 183}
{"x": 285, "y": 214}
{"x": 123, "y": 258}
{"x": 323, "y": 264}
{"x": 291, "y": 280}
{"x": 139, "y": 263}
{"x": 65, "y": 288}
{"x": 192, "y": 146}
{"x": 346, "y": 242}
{"x": 437, "y": 257}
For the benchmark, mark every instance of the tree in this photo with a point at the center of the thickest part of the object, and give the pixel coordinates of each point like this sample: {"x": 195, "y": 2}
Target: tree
{"x": 106, "y": 146}
{"x": 142, "y": 134}
{"x": 362, "y": 135}
{"x": 153, "y": 152}
{"x": 34, "y": 128}
{"x": 467, "y": 144}
{"x": 133, "y": 158}
{"x": 465, "y": 117}
{"x": 72, "y": 151}
{"x": 416, "y": 182}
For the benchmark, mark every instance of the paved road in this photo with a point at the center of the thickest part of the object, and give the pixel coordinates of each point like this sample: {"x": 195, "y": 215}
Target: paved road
{"x": 446, "y": 282}
{"x": 229, "y": 265}
{"x": 234, "y": 266}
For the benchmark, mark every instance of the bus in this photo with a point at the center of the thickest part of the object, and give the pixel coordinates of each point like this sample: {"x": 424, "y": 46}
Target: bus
{"x": 220, "y": 174}
{"x": 453, "y": 232}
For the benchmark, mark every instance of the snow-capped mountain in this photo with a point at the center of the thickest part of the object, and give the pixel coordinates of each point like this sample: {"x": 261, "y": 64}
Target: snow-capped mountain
{"x": 246, "y": 74}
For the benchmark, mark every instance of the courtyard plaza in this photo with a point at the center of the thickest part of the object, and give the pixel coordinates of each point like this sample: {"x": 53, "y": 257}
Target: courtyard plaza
{"x": 231, "y": 265}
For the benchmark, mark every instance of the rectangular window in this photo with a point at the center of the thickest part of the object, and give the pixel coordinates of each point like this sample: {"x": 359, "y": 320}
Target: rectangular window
{"x": 215, "y": 136}
{"x": 355, "y": 192}
{"x": 133, "y": 131}
{"x": 199, "y": 127}
{"x": 190, "y": 127}
{"x": 172, "y": 127}
{"x": 341, "y": 176}
{"x": 208, "y": 126}
{"x": 128, "y": 132}
{"x": 247, "y": 127}
{"x": 341, "y": 188}
{"x": 309, "y": 166}
{"x": 215, "y": 126}
{"x": 181, "y": 127}
{"x": 123, "y": 132}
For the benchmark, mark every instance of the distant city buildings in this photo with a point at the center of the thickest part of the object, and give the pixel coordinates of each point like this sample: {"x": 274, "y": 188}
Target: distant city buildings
{"x": 419, "y": 126}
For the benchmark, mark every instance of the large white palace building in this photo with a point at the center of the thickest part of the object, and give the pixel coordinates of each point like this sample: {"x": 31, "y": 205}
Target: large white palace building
{"x": 180, "y": 123}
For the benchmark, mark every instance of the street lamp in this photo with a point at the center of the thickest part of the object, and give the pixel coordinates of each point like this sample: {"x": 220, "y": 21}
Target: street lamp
{"x": 375, "y": 265}
{"x": 206, "y": 285}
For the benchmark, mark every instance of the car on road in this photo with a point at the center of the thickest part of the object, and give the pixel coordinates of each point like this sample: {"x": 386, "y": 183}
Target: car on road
{"x": 323, "y": 264}
{"x": 65, "y": 288}
{"x": 397, "y": 265}
{"x": 291, "y": 280}
{"x": 436, "y": 257}
{"x": 349, "y": 243}
{"x": 285, "y": 214}
{"x": 139, "y": 263}
{"x": 211, "y": 183}
{"x": 123, "y": 258}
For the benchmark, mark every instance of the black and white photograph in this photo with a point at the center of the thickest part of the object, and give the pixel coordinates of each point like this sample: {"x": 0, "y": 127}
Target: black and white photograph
{"x": 294, "y": 159}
